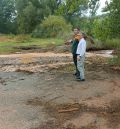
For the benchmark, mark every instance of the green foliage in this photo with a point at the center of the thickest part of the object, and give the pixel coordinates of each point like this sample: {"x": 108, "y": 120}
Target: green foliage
{"x": 74, "y": 11}
{"x": 32, "y": 12}
{"x": 12, "y": 43}
{"x": 101, "y": 29}
{"x": 118, "y": 59}
{"x": 7, "y": 16}
{"x": 23, "y": 16}
{"x": 70, "y": 8}
{"x": 113, "y": 10}
{"x": 93, "y": 7}
{"x": 53, "y": 26}
{"x": 112, "y": 44}
{"x": 115, "y": 61}
{"x": 26, "y": 19}
{"x": 23, "y": 38}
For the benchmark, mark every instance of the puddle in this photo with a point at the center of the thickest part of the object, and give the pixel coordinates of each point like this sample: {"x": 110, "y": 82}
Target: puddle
{"x": 102, "y": 53}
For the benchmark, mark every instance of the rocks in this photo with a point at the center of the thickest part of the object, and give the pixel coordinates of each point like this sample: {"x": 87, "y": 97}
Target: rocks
{"x": 82, "y": 121}
{"x": 33, "y": 47}
{"x": 64, "y": 48}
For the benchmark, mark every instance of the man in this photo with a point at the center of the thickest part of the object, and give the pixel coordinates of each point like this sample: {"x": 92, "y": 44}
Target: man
{"x": 81, "y": 50}
{"x": 75, "y": 41}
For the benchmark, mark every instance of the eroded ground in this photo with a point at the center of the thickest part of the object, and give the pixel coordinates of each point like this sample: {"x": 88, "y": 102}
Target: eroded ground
{"x": 39, "y": 91}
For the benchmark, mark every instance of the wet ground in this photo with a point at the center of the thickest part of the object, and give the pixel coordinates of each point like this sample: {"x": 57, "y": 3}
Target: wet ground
{"x": 39, "y": 91}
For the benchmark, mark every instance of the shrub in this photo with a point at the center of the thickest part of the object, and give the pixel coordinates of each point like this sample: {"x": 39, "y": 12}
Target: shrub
{"x": 101, "y": 29}
{"x": 112, "y": 44}
{"x": 53, "y": 26}
{"x": 23, "y": 38}
{"x": 118, "y": 60}
{"x": 115, "y": 61}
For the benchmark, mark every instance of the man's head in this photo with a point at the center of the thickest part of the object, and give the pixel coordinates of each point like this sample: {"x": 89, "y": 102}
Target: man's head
{"x": 84, "y": 35}
{"x": 76, "y": 30}
{"x": 81, "y": 35}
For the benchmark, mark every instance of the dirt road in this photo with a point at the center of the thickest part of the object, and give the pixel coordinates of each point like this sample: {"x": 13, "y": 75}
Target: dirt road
{"x": 39, "y": 91}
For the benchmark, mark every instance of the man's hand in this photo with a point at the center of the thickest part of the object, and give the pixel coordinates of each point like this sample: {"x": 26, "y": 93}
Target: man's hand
{"x": 68, "y": 42}
{"x": 78, "y": 58}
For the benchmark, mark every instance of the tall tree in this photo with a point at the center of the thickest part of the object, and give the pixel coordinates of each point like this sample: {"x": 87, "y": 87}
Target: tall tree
{"x": 70, "y": 8}
{"x": 26, "y": 16}
{"x": 7, "y": 16}
{"x": 93, "y": 7}
{"x": 32, "y": 12}
{"x": 113, "y": 10}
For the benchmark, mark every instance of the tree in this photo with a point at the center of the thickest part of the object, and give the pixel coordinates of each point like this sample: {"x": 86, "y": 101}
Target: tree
{"x": 113, "y": 10}
{"x": 71, "y": 8}
{"x": 93, "y": 7}
{"x": 75, "y": 12}
{"x": 32, "y": 12}
{"x": 52, "y": 26}
{"x": 101, "y": 28}
{"x": 26, "y": 18}
{"x": 7, "y": 16}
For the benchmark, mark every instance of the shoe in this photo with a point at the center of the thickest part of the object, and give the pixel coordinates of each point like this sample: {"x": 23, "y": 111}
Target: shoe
{"x": 83, "y": 80}
{"x": 75, "y": 74}
{"x": 78, "y": 79}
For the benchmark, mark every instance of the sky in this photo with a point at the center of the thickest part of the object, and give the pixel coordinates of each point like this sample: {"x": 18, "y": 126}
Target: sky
{"x": 102, "y": 5}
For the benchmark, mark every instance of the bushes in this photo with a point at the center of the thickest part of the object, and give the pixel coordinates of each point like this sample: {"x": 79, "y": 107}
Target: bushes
{"x": 109, "y": 44}
{"x": 101, "y": 29}
{"x": 115, "y": 61}
{"x": 118, "y": 60}
{"x": 22, "y": 38}
{"x": 53, "y": 26}
{"x": 112, "y": 44}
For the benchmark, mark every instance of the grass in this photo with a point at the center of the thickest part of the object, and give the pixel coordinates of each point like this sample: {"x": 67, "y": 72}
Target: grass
{"x": 112, "y": 44}
{"x": 109, "y": 44}
{"x": 10, "y": 43}
{"x": 115, "y": 61}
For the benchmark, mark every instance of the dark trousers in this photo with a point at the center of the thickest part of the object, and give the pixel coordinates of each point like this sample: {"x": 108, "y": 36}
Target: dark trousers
{"x": 75, "y": 63}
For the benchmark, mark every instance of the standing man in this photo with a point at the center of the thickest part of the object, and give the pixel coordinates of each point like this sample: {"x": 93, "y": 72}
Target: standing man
{"x": 81, "y": 50}
{"x": 75, "y": 41}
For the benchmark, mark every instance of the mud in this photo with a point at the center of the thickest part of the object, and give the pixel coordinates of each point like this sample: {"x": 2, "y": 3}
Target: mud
{"x": 39, "y": 91}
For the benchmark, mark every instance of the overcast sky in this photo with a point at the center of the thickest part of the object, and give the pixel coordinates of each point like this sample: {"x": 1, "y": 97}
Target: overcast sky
{"x": 102, "y": 5}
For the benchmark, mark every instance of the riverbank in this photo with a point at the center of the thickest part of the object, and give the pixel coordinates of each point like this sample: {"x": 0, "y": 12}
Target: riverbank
{"x": 39, "y": 91}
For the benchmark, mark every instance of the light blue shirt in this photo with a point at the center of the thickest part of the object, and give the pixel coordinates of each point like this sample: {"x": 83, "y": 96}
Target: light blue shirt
{"x": 81, "y": 49}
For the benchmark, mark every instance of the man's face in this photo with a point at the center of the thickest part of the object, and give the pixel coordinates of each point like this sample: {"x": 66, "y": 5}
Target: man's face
{"x": 76, "y": 31}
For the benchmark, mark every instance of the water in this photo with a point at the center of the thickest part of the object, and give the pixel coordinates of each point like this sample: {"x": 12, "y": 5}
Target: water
{"x": 102, "y": 53}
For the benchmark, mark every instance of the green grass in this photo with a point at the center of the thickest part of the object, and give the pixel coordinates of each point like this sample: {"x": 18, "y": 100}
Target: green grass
{"x": 9, "y": 42}
{"x": 109, "y": 44}
{"x": 112, "y": 44}
{"x": 115, "y": 61}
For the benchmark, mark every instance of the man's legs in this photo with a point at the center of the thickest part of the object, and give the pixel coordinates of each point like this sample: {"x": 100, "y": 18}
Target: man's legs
{"x": 75, "y": 63}
{"x": 80, "y": 66}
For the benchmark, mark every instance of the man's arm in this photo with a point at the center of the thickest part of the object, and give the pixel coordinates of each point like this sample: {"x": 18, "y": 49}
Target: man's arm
{"x": 68, "y": 42}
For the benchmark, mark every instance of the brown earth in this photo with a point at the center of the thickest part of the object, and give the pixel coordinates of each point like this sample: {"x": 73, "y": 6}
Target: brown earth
{"x": 39, "y": 91}
{"x": 5, "y": 39}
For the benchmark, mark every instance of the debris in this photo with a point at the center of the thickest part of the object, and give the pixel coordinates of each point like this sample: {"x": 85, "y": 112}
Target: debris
{"x": 24, "y": 71}
{"x": 68, "y": 110}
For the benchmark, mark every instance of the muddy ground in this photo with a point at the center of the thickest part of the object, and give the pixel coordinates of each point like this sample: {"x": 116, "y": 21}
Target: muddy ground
{"x": 39, "y": 91}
